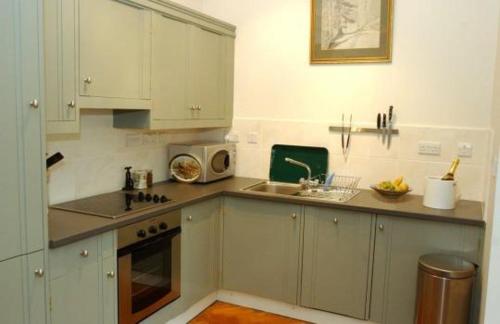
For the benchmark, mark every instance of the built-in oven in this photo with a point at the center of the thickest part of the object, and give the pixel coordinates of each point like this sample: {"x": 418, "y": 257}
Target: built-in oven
{"x": 148, "y": 266}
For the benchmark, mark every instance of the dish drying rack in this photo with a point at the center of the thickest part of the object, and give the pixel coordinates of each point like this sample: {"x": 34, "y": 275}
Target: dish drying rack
{"x": 342, "y": 189}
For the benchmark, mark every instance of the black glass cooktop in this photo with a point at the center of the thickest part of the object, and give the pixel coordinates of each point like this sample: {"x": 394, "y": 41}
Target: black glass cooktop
{"x": 115, "y": 204}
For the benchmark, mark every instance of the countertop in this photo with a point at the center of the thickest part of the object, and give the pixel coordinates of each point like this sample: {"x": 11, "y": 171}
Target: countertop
{"x": 68, "y": 227}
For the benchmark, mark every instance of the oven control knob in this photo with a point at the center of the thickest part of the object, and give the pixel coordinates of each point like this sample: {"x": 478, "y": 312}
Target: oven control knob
{"x": 148, "y": 197}
{"x": 140, "y": 196}
{"x": 163, "y": 199}
{"x": 163, "y": 226}
{"x": 156, "y": 199}
{"x": 153, "y": 229}
{"x": 141, "y": 233}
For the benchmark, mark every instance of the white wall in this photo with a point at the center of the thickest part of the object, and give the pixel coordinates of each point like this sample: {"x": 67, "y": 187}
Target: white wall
{"x": 440, "y": 82}
{"x": 441, "y": 74}
{"x": 94, "y": 160}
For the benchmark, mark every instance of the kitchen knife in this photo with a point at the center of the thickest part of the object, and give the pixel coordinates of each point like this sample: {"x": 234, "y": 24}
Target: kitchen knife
{"x": 389, "y": 128}
{"x": 343, "y": 140}
{"x": 384, "y": 127}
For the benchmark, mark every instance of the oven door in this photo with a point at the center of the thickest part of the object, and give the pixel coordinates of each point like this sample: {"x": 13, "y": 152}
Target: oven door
{"x": 148, "y": 276}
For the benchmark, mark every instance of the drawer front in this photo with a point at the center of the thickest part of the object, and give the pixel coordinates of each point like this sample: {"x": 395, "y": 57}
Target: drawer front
{"x": 69, "y": 257}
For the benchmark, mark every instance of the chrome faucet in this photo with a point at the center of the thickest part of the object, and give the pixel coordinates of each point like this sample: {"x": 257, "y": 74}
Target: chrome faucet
{"x": 307, "y": 183}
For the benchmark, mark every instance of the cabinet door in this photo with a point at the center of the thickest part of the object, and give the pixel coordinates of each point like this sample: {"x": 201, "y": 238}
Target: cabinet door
{"x": 114, "y": 49}
{"x": 75, "y": 296}
{"x": 11, "y": 294}
{"x": 21, "y": 200}
{"x": 35, "y": 278}
{"x": 207, "y": 66}
{"x": 399, "y": 243}
{"x": 170, "y": 70}
{"x": 110, "y": 290}
{"x": 261, "y": 248}
{"x": 60, "y": 66}
{"x": 200, "y": 250}
{"x": 336, "y": 261}
{"x": 22, "y": 297}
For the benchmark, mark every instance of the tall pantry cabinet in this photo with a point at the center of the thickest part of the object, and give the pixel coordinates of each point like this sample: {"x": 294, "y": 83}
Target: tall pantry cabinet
{"x": 22, "y": 201}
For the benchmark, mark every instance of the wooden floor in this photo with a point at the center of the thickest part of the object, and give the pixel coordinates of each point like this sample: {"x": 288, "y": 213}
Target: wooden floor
{"x": 224, "y": 313}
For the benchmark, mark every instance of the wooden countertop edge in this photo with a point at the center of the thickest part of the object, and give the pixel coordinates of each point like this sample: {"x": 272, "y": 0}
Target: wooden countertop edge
{"x": 238, "y": 192}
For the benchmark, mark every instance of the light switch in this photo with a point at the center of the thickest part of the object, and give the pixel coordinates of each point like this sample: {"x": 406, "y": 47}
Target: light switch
{"x": 464, "y": 150}
{"x": 253, "y": 138}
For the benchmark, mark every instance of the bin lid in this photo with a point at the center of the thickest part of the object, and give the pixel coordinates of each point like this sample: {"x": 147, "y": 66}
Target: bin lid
{"x": 447, "y": 266}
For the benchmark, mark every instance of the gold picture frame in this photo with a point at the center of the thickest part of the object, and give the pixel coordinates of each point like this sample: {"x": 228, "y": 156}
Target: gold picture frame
{"x": 351, "y": 31}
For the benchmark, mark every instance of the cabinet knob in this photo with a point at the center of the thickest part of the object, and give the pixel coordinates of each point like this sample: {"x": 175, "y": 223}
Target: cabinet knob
{"x": 294, "y": 216}
{"x": 87, "y": 80}
{"x": 190, "y": 218}
{"x": 84, "y": 253}
{"x": 71, "y": 104}
{"x": 381, "y": 227}
{"x": 192, "y": 108}
{"x": 335, "y": 220}
{"x": 34, "y": 103}
{"x": 110, "y": 274}
{"x": 39, "y": 273}
{"x": 198, "y": 107}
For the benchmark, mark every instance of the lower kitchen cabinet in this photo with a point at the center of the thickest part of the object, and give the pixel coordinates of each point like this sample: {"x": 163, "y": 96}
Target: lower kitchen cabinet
{"x": 83, "y": 282}
{"x": 261, "y": 244}
{"x": 22, "y": 297}
{"x": 336, "y": 261}
{"x": 399, "y": 242}
{"x": 200, "y": 250}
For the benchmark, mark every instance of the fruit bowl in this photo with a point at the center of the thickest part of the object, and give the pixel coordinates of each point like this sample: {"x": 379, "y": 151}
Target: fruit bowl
{"x": 393, "y": 189}
{"x": 390, "y": 193}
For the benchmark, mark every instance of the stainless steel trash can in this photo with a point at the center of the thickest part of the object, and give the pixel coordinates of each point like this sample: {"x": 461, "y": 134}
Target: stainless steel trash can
{"x": 444, "y": 289}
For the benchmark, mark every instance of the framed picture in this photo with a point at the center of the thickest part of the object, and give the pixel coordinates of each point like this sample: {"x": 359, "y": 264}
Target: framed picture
{"x": 351, "y": 31}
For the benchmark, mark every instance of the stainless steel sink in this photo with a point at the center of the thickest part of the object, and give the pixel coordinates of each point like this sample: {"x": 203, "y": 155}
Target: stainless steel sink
{"x": 289, "y": 189}
{"x": 334, "y": 194}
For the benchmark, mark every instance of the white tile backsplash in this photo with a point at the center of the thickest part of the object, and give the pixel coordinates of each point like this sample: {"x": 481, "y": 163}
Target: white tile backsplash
{"x": 368, "y": 157}
{"x": 95, "y": 159}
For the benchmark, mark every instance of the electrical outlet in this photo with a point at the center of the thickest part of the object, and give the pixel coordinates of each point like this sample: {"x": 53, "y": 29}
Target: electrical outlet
{"x": 429, "y": 148}
{"x": 464, "y": 150}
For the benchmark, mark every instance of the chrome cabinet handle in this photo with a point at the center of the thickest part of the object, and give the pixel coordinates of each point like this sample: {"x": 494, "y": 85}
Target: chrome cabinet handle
{"x": 71, "y": 104}
{"x": 335, "y": 220}
{"x": 34, "y": 103}
{"x": 84, "y": 253}
{"x": 190, "y": 218}
{"x": 294, "y": 216}
{"x": 39, "y": 273}
{"x": 87, "y": 80}
{"x": 110, "y": 274}
{"x": 381, "y": 227}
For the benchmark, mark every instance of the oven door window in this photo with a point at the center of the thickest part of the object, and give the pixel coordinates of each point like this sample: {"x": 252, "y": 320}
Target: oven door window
{"x": 151, "y": 273}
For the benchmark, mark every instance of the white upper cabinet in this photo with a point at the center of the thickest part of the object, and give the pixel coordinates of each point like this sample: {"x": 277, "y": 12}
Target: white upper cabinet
{"x": 114, "y": 54}
{"x": 22, "y": 172}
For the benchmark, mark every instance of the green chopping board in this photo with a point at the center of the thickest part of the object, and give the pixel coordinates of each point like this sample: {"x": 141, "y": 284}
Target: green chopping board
{"x": 282, "y": 171}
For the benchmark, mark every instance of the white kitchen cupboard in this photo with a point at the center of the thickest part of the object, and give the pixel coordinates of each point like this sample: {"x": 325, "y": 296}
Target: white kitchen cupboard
{"x": 62, "y": 105}
{"x": 22, "y": 293}
{"x": 83, "y": 286}
{"x": 336, "y": 263}
{"x": 22, "y": 205}
{"x": 399, "y": 242}
{"x": 114, "y": 54}
{"x": 97, "y": 55}
{"x": 261, "y": 248}
{"x": 192, "y": 77}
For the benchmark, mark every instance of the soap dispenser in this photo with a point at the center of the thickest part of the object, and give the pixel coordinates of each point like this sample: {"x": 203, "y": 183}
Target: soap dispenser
{"x": 129, "y": 182}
